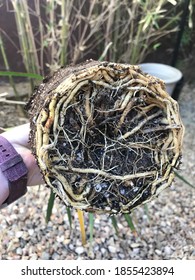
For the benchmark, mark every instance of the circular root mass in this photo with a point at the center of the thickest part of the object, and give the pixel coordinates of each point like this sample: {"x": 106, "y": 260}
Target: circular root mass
{"x": 106, "y": 136}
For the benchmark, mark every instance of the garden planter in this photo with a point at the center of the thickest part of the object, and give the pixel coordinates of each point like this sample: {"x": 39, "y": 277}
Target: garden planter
{"x": 170, "y": 75}
{"x": 106, "y": 136}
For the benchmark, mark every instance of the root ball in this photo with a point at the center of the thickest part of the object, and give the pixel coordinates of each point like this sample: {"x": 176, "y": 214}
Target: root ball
{"x": 106, "y": 136}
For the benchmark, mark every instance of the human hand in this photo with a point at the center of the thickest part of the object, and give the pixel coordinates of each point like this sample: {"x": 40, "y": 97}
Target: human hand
{"x": 19, "y": 138}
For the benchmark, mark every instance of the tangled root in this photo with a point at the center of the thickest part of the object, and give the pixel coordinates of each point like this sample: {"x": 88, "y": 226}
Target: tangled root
{"x": 106, "y": 136}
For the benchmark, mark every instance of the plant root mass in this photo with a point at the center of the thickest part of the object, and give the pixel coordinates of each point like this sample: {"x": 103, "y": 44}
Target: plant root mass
{"x": 106, "y": 136}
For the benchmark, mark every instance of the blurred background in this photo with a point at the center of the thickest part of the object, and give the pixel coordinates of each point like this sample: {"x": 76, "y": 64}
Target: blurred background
{"x": 38, "y": 36}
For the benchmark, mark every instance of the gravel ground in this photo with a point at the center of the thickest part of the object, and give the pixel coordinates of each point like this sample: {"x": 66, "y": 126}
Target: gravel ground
{"x": 166, "y": 232}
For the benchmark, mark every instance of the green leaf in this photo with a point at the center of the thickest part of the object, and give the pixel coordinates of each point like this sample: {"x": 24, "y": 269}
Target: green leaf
{"x": 114, "y": 223}
{"x": 156, "y": 46}
{"x": 20, "y": 74}
{"x": 147, "y": 22}
{"x": 69, "y": 216}
{"x": 91, "y": 225}
{"x": 184, "y": 180}
{"x": 50, "y": 206}
{"x": 130, "y": 223}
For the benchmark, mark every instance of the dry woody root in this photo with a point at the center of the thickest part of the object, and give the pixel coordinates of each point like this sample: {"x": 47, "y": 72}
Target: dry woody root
{"x": 107, "y": 137}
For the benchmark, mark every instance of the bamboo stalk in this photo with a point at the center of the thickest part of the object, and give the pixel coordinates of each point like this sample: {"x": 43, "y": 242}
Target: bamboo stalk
{"x": 5, "y": 60}
{"x": 34, "y": 61}
{"x": 21, "y": 33}
{"x": 65, "y": 13}
{"x": 38, "y": 13}
{"x": 20, "y": 16}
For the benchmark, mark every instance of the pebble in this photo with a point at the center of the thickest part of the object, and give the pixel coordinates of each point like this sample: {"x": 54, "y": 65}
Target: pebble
{"x": 103, "y": 250}
{"x": 45, "y": 256}
{"x": 121, "y": 256}
{"x": 71, "y": 246}
{"x": 158, "y": 252}
{"x": 60, "y": 238}
{"x": 19, "y": 251}
{"x": 135, "y": 245}
{"x": 66, "y": 241}
{"x": 136, "y": 251}
{"x": 31, "y": 232}
{"x": 167, "y": 250}
{"x": 55, "y": 256}
{"x": 78, "y": 242}
{"x": 34, "y": 257}
{"x": 19, "y": 234}
{"x": 79, "y": 250}
{"x": 96, "y": 248}
{"x": 163, "y": 224}
{"x": 112, "y": 249}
